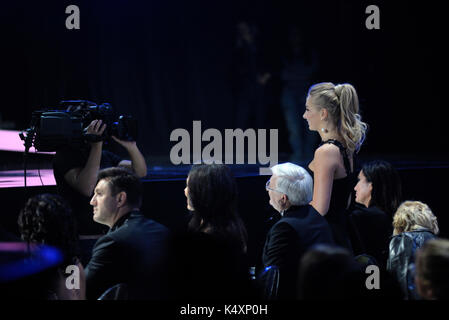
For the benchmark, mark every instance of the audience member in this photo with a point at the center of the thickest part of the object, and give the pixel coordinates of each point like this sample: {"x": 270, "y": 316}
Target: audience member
{"x": 329, "y": 273}
{"x": 414, "y": 224}
{"x": 210, "y": 260}
{"x": 300, "y": 227}
{"x": 134, "y": 249}
{"x": 333, "y": 111}
{"x": 47, "y": 219}
{"x": 432, "y": 265}
{"x": 378, "y": 195}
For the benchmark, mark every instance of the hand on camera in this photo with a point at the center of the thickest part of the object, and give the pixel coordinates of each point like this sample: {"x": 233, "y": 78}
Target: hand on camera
{"x": 96, "y": 127}
{"x": 126, "y": 144}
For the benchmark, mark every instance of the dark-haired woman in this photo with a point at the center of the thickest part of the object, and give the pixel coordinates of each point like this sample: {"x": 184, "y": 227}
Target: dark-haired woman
{"x": 378, "y": 195}
{"x": 211, "y": 194}
{"x": 212, "y": 255}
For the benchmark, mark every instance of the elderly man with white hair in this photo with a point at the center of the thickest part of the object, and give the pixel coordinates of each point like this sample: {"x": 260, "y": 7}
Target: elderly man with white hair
{"x": 290, "y": 189}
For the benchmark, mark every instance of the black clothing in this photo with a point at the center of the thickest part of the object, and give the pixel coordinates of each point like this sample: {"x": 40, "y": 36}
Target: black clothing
{"x": 337, "y": 215}
{"x": 299, "y": 229}
{"x": 371, "y": 230}
{"x": 75, "y": 156}
{"x": 209, "y": 267}
{"x": 132, "y": 252}
{"x": 401, "y": 257}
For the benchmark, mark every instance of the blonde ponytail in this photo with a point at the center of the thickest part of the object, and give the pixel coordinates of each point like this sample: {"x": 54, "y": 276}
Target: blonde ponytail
{"x": 342, "y": 104}
{"x": 350, "y": 126}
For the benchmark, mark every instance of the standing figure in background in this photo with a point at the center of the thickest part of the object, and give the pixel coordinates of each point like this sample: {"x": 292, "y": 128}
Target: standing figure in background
{"x": 298, "y": 66}
{"x": 249, "y": 78}
{"x": 333, "y": 111}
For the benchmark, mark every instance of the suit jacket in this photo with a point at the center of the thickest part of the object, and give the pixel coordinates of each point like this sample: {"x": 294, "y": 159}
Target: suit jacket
{"x": 132, "y": 252}
{"x": 299, "y": 229}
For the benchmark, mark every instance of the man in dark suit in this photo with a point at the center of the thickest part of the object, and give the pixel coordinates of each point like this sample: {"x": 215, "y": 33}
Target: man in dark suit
{"x": 290, "y": 189}
{"x": 134, "y": 250}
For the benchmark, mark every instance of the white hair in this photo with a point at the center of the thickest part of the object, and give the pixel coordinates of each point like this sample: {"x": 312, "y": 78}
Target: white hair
{"x": 295, "y": 182}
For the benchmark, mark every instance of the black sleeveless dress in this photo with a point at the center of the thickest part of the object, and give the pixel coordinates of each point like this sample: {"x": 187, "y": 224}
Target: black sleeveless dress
{"x": 342, "y": 188}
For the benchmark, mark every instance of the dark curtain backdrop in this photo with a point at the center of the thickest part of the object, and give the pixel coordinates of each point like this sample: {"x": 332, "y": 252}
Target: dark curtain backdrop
{"x": 168, "y": 63}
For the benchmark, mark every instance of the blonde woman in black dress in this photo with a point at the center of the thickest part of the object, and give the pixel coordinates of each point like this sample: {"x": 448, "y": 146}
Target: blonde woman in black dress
{"x": 333, "y": 111}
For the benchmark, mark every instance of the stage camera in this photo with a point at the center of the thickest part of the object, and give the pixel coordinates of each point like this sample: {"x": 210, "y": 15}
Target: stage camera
{"x": 53, "y": 128}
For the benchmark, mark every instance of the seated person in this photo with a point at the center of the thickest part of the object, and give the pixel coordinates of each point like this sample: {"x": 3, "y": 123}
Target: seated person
{"x": 290, "y": 189}
{"x": 210, "y": 260}
{"x": 432, "y": 264}
{"x": 414, "y": 224}
{"x": 329, "y": 273}
{"x": 47, "y": 219}
{"x": 133, "y": 250}
{"x": 378, "y": 195}
{"x": 76, "y": 166}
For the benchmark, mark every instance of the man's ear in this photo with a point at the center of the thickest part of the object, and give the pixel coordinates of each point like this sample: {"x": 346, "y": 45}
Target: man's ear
{"x": 284, "y": 199}
{"x": 121, "y": 197}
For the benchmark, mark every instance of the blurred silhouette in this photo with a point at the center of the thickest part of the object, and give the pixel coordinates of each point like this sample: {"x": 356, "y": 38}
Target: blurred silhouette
{"x": 299, "y": 63}
{"x": 47, "y": 219}
{"x": 250, "y": 77}
{"x": 432, "y": 263}
{"x": 329, "y": 273}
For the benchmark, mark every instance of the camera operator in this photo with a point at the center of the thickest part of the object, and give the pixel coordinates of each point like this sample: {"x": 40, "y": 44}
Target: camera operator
{"x": 76, "y": 166}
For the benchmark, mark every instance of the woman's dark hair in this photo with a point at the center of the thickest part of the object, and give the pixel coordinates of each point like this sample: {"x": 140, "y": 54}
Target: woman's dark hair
{"x": 213, "y": 195}
{"x": 386, "y": 183}
{"x": 47, "y": 219}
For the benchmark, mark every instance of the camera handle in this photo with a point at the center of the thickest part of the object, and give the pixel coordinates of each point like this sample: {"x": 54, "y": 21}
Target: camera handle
{"x": 28, "y": 141}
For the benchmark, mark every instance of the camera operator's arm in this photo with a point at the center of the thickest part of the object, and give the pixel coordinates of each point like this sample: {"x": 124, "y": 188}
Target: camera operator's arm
{"x": 84, "y": 179}
{"x": 137, "y": 162}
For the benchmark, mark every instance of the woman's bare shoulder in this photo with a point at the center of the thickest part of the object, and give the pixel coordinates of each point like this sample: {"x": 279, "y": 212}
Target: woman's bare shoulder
{"x": 327, "y": 151}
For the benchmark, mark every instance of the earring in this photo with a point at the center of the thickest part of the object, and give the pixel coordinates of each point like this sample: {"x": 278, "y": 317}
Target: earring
{"x": 324, "y": 130}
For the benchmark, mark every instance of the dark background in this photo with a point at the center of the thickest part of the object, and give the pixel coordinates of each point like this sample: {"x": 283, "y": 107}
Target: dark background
{"x": 167, "y": 63}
